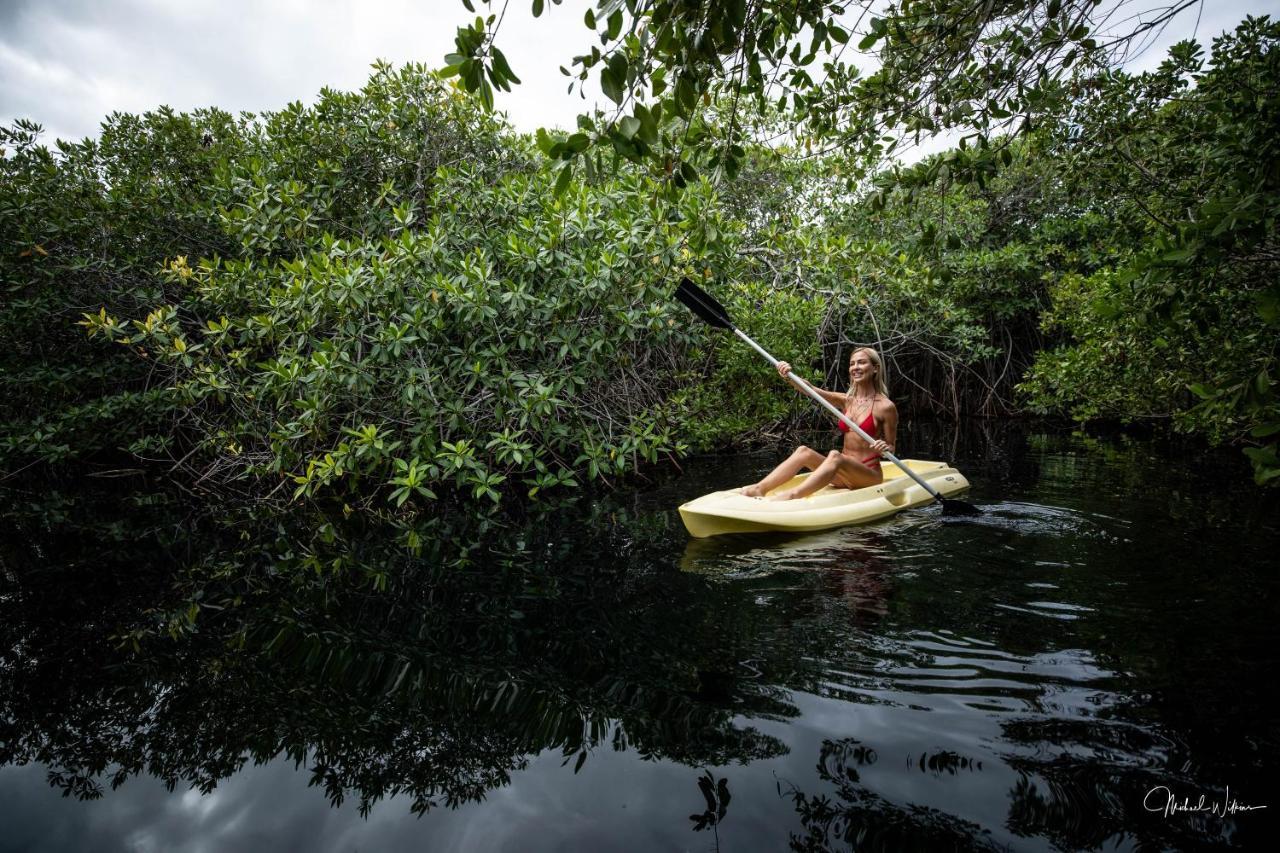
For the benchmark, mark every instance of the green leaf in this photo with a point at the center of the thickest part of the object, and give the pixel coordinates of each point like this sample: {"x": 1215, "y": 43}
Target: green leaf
{"x": 618, "y": 64}
{"x": 1106, "y": 309}
{"x": 453, "y": 65}
{"x": 1266, "y": 463}
{"x": 648, "y": 131}
{"x": 544, "y": 141}
{"x": 610, "y": 85}
{"x": 562, "y": 181}
{"x": 500, "y": 65}
{"x": 737, "y": 12}
{"x": 537, "y": 8}
{"x": 1182, "y": 254}
{"x": 685, "y": 95}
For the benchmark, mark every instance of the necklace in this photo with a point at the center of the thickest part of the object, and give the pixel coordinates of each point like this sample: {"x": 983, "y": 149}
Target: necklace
{"x": 857, "y": 403}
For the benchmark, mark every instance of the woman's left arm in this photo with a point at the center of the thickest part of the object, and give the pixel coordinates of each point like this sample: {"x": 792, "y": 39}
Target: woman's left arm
{"x": 889, "y": 428}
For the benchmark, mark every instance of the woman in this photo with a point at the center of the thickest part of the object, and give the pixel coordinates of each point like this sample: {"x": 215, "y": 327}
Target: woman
{"x": 857, "y": 465}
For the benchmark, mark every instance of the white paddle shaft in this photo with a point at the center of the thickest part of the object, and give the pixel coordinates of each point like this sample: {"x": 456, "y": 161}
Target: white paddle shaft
{"x": 808, "y": 389}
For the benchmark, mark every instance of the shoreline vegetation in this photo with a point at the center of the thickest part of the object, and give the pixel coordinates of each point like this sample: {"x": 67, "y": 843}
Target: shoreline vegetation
{"x": 390, "y": 299}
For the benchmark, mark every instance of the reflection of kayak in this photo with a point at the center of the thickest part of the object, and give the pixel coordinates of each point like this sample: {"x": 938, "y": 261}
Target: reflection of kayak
{"x": 730, "y": 512}
{"x": 822, "y": 550}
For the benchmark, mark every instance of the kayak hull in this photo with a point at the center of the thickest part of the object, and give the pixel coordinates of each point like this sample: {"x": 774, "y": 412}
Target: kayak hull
{"x": 730, "y": 512}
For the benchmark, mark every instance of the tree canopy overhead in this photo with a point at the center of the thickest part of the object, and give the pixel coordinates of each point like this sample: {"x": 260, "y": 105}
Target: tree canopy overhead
{"x": 858, "y": 75}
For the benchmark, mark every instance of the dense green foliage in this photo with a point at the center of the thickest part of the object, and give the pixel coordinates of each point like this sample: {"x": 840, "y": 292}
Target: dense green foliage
{"x": 1122, "y": 265}
{"x": 399, "y": 303}
{"x": 382, "y": 297}
{"x": 377, "y": 298}
{"x": 89, "y": 226}
{"x": 1186, "y": 323}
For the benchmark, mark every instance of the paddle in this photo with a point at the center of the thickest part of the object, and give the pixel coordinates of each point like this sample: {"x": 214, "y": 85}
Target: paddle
{"x": 704, "y": 306}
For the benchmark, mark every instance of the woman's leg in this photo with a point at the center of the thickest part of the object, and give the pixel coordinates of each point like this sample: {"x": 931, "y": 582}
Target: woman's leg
{"x": 800, "y": 459}
{"x": 836, "y": 468}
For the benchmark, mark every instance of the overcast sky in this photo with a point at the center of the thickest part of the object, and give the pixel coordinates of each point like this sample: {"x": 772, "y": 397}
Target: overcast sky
{"x": 68, "y": 63}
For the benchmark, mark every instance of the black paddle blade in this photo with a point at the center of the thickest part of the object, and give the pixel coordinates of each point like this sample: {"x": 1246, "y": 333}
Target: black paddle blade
{"x": 951, "y": 506}
{"x": 703, "y": 304}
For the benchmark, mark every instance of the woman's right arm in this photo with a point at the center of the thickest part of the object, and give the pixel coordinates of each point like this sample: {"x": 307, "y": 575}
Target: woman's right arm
{"x": 835, "y": 398}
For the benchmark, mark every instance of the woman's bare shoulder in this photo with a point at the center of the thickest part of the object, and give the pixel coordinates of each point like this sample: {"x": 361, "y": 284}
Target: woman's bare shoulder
{"x": 884, "y": 404}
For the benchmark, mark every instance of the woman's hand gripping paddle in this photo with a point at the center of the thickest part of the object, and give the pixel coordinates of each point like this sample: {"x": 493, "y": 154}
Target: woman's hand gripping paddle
{"x": 713, "y": 313}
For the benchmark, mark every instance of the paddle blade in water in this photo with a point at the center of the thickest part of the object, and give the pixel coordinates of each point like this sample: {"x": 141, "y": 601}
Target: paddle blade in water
{"x": 703, "y": 304}
{"x": 951, "y": 506}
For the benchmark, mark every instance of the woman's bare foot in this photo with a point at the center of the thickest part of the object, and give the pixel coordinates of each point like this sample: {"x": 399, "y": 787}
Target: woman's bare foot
{"x": 752, "y": 491}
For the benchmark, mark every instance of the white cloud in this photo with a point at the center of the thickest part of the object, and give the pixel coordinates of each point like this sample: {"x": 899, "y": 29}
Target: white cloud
{"x": 69, "y": 64}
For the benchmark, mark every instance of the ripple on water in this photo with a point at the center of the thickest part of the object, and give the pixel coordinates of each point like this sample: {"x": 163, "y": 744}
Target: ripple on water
{"x": 934, "y": 670}
{"x": 1050, "y": 609}
{"x": 1043, "y": 520}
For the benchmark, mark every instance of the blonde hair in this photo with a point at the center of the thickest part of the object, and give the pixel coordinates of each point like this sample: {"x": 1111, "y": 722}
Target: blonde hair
{"x": 882, "y": 384}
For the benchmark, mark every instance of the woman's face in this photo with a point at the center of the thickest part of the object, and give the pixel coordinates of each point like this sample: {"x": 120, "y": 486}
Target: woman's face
{"x": 861, "y": 367}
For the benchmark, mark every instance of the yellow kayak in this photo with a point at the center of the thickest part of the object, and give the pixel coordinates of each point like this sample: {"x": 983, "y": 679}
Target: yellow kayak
{"x": 730, "y": 512}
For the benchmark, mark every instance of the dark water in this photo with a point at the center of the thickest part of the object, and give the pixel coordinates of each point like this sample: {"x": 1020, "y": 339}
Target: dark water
{"x": 593, "y": 679}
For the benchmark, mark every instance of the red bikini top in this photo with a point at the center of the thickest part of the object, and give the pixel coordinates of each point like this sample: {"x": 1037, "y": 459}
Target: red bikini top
{"x": 868, "y": 424}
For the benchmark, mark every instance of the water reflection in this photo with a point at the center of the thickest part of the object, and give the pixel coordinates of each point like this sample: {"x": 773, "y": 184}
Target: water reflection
{"x": 856, "y": 817}
{"x": 435, "y": 690}
{"x": 911, "y": 685}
